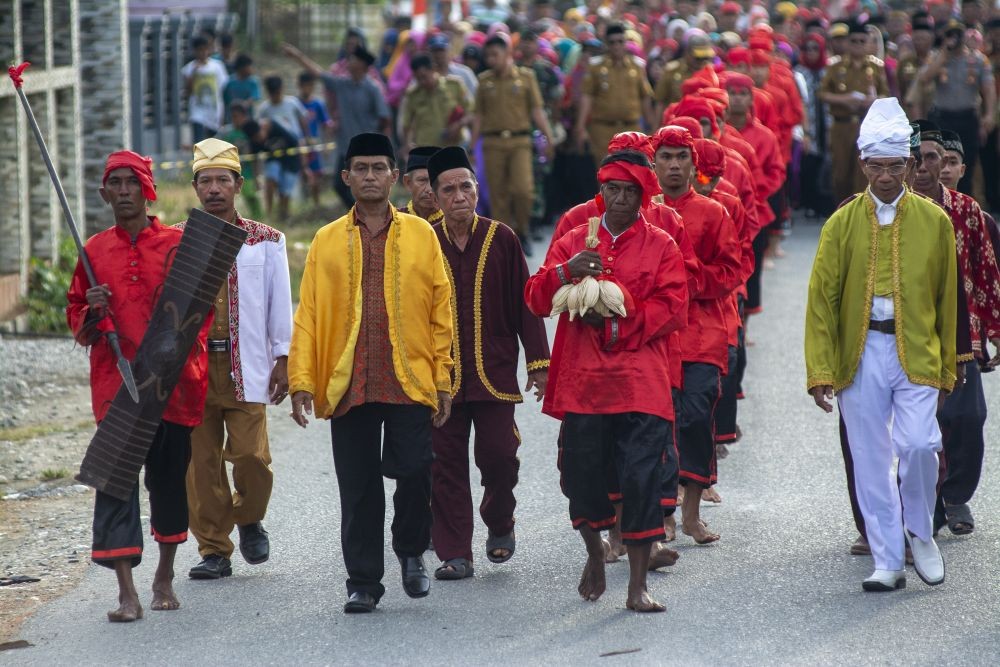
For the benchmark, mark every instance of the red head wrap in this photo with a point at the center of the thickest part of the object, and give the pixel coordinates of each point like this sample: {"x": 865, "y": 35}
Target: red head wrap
{"x": 697, "y": 108}
{"x": 759, "y": 57}
{"x": 718, "y": 97}
{"x": 710, "y": 158}
{"x": 626, "y": 171}
{"x": 738, "y": 80}
{"x": 690, "y": 124}
{"x": 674, "y": 136}
{"x": 631, "y": 141}
{"x": 762, "y": 42}
{"x": 738, "y": 56}
{"x": 140, "y": 165}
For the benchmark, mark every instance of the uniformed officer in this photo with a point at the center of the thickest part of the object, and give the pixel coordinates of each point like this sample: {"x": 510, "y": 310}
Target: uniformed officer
{"x": 916, "y": 101}
{"x": 616, "y": 96}
{"x": 698, "y": 53}
{"x": 507, "y": 102}
{"x": 849, "y": 87}
{"x": 435, "y": 111}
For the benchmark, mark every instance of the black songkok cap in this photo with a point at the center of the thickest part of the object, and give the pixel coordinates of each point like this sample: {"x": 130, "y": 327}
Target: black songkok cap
{"x": 419, "y": 157}
{"x": 929, "y": 131}
{"x": 370, "y": 144}
{"x": 954, "y": 25}
{"x": 363, "y": 54}
{"x": 914, "y": 138}
{"x": 614, "y": 29}
{"x": 452, "y": 157}
{"x": 952, "y": 142}
{"x": 856, "y": 28}
{"x": 922, "y": 21}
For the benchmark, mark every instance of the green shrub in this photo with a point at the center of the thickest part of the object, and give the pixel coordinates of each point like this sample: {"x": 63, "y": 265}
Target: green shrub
{"x": 48, "y": 281}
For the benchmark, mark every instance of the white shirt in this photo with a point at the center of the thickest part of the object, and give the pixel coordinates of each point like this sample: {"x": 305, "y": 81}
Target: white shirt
{"x": 290, "y": 112}
{"x": 883, "y": 308}
{"x": 207, "y": 84}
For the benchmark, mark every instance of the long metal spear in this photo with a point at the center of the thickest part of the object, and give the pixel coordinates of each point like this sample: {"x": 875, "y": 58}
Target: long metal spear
{"x": 112, "y": 336}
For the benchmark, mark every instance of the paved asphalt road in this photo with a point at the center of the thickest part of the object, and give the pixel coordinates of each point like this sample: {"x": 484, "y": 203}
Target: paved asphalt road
{"x": 780, "y": 588}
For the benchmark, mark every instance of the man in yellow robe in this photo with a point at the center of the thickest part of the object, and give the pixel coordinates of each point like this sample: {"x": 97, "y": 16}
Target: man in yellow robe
{"x": 371, "y": 347}
{"x": 880, "y": 331}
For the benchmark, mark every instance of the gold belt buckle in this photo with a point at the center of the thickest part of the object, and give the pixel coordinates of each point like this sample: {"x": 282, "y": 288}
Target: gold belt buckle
{"x": 506, "y": 134}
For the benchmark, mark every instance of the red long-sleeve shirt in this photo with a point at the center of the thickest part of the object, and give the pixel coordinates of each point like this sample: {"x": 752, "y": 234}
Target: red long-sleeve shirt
{"x": 134, "y": 271}
{"x": 716, "y": 242}
{"x": 725, "y": 193}
{"x": 731, "y": 139}
{"x": 765, "y": 146}
{"x": 625, "y": 366}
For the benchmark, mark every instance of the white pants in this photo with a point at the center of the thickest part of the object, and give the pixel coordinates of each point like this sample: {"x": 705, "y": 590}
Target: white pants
{"x": 886, "y": 414}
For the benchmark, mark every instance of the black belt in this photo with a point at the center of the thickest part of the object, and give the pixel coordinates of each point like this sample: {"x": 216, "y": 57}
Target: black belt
{"x": 954, "y": 112}
{"x": 883, "y": 326}
{"x": 219, "y": 345}
{"x": 507, "y": 134}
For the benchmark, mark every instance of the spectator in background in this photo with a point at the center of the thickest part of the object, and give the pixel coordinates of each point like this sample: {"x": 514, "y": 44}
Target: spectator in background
{"x": 440, "y": 49}
{"x": 488, "y": 12}
{"x": 239, "y": 112}
{"x": 284, "y": 109}
{"x": 362, "y": 104}
{"x": 204, "y": 80}
{"x": 318, "y": 126}
{"x": 282, "y": 168}
{"x": 436, "y": 111}
{"x": 227, "y": 52}
{"x": 242, "y": 86}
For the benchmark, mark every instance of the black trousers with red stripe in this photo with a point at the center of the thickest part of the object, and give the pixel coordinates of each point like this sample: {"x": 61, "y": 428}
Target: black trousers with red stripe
{"x": 695, "y": 408}
{"x": 117, "y": 527}
{"x": 634, "y": 443}
{"x": 725, "y": 411}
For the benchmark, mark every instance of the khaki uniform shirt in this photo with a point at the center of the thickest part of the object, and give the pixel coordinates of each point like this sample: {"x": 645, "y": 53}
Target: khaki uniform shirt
{"x": 668, "y": 88}
{"x": 220, "y": 325}
{"x": 505, "y": 103}
{"x": 844, "y": 77}
{"x": 617, "y": 89}
{"x": 426, "y": 113}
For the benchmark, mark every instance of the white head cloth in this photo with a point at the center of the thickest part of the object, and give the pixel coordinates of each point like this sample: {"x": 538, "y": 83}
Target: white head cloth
{"x": 885, "y": 131}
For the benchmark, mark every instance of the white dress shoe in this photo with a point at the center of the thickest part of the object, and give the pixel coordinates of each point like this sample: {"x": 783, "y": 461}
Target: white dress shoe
{"x": 927, "y": 559}
{"x": 884, "y": 581}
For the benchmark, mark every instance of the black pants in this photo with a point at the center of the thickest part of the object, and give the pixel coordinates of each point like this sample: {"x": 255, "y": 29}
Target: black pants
{"x": 117, "y": 527}
{"x": 634, "y": 443}
{"x": 991, "y": 170}
{"x": 962, "y": 419}
{"x": 725, "y": 411}
{"x": 966, "y": 124}
{"x": 361, "y": 458}
{"x": 695, "y": 407}
{"x": 852, "y": 491}
{"x": 754, "y": 302}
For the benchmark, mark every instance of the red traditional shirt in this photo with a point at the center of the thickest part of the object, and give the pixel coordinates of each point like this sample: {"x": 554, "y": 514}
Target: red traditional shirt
{"x": 134, "y": 271}
{"x": 623, "y": 367}
{"x": 738, "y": 213}
{"x": 716, "y": 242}
{"x": 768, "y": 151}
{"x": 373, "y": 378}
{"x": 487, "y": 286}
{"x": 977, "y": 264}
{"x": 732, "y": 140}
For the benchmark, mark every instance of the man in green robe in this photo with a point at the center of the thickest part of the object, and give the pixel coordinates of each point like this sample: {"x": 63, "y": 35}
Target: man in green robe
{"x": 880, "y": 331}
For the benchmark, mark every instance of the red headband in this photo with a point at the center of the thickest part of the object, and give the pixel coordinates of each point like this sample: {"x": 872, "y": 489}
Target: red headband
{"x": 738, "y": 80}
{"x": 690, "y": 124}
{"x": 673, "y": 136}
{"x": 626, "y": 171}
{"x": 717, "y": 97}
{"x": 763, "y": 42}
{"x": 738, "y": 56}
{"x": 759, "y": 57}
{"x": 631, "y": 141}
{"x": 710, "y": 159}
{"x": 140, "y": 165}
{"x": 697, "y": 108}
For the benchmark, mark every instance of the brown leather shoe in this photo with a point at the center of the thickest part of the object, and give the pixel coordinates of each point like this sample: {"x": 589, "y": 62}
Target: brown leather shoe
{"x": 860, "y": 547}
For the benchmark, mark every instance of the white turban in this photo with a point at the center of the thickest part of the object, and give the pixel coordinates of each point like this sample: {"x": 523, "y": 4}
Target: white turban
{"x": 885, "y": 131}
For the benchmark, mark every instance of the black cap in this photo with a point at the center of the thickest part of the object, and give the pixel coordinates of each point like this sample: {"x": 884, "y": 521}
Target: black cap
{"x": 856, "y": 28}
{"x": 370, "y": 144}
{"x": 954, "y": 25}
{"x": 992, "y": 23}
{"x": 914, "y": 138}
{"x": 922, "y": 21}
{"x": 614, "y": 29}
{"x": 452, "y": 157}
{"x": 929, "y": 131}
{"x": 952, "y": 142}
{"x": 363, "y": 54}
{"x": 419, "y": 156}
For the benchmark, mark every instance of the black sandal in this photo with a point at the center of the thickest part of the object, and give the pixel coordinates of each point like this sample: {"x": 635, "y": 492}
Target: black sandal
{"x": 459, "y": 569}
{"x": 960, "y": 521}
{"x": 494, "y": 542}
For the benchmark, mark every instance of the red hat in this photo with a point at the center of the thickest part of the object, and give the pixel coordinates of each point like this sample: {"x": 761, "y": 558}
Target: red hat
{"x": 140, "y": 165}
{"x": 697, "y": 108}
{"x": 631, "y": 141}
{"x": 738, "y": 56}
{"x": 674, "y": 136}
{"x": 690, "y": 124}
{"x": 718, "y": 97}
{"x": 710, "y": 158}
{"x": 759, "y": 57}
{"x": 737, "y": 80}
{"x": 692, "y": 85}
{"x": 730, "y": 8}
{"x": 621, "y": 170}
{"x": 761, "y": 41}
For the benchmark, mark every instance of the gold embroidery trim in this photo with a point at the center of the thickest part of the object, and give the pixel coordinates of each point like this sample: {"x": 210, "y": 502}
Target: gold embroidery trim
{"x": 478, "y": 315}
{"x": 475, "y": 223}
{"x": 869, "y": 285}
{"x": 456, "y": 347}
{"x": 397, "y": 305}
{"x": 353, "y": 234}
{"x": 538, "y": 365}
{"x": 963, "y": 358}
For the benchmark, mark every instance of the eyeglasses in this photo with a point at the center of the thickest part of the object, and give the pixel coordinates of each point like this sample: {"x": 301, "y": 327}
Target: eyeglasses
{"x": 891, "y": 169}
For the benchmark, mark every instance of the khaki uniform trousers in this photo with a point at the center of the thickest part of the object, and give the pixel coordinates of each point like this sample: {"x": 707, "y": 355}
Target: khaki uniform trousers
{"x": 511, "y": 181}
{"x": 600, "y": 132}
{"x": 230, "y": 431}
{"x": 848, "y": 178}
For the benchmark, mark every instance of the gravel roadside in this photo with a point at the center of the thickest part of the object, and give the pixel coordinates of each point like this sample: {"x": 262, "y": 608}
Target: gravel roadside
{"x": 45, "y": 426}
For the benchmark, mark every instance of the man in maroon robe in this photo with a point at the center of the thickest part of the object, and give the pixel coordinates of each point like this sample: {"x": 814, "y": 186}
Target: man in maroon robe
{"x": 487, "y": 270}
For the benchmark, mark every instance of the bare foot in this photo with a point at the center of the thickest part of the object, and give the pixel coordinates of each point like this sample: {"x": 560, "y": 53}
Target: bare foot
{"x": 721, "y": 451}
{"x": 592, "y": 582}
{"x": 699, "y": 532}
{"x": 710, "y": 495}
{"x": 662, "y": 556}
{"x": 609, "y": 553}
{"x": 643, "y": 602}
{"x": 128, "y": 610}
{"x": 670, "y": 528}
{"x": 680, "y": 495}
{"x": 615, "y": 548}
{"x": 164, "y": 598}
